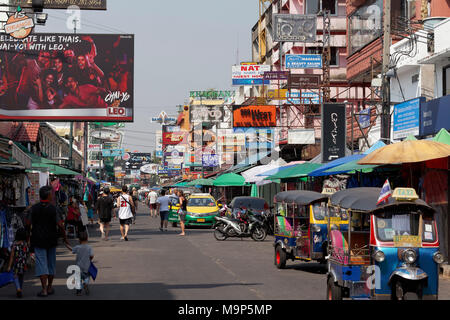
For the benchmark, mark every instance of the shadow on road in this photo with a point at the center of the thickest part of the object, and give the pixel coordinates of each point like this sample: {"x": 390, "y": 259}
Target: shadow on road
{"x": 315, "y": 268}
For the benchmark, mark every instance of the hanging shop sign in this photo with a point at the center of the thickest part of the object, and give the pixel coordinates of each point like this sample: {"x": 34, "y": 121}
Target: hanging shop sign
{"x": 203, "y": 113}
{"x": 94, "y": 92}
{"x": 294, "y": 28}
{"x": 19, "y": 25}
{"x": 334, "y": 129}
{"x": 407, "y": 118}
{"x": 63, "y": 4}
{"x": 210, "y": 160}
{"x": 276, "y": 75}
{"x": 277, "y": 94}
{"x": 297, "y": 81}
{"x": 173, "y": 138}
{"x": 301, "y": 136}
{"x": 435, "y": 115}
{"x": 249, "y": 75}
{"x": 303, "y": 61}
{"x": 254, "y": 116}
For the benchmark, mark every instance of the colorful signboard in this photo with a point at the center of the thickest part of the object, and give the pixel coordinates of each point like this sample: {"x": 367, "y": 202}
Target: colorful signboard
{"x": 305, "y": 97}
{"x": 407, "y": 118}
{"x": 250, "y": 75}
{"x": 210, "y": 160}
{"x": 254, "y": 116}
{"x": 303, "y": 61}
{"x": 276, "y": 75}
{"x": 113, "y": 152}
{"x": 212, "y": 94}
{"x": 81, "y": 78}
{"x": 173, "y": 138}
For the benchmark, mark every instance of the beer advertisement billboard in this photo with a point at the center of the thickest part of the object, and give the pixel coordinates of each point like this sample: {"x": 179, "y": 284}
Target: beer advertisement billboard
{"x": 64, "y": 77}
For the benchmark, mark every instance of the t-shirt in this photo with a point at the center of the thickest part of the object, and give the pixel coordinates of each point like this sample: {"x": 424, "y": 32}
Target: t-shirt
{"x": 84, "y": 253}
{"x": 152, "y": 196}
{"x": 44, "y": 220}
{"x": 164, "y": 203}
{"x": 104, "y": 207}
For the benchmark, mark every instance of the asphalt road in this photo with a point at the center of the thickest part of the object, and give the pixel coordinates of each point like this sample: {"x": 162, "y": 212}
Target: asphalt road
{"x": 159, "y": 265}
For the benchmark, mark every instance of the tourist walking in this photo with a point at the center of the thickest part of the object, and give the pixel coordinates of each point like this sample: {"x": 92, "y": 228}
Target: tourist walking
{"x": 152, "y": 197}
{"x": 163, "y": 208}
{"x": 182, "y": 212}
{"x": 18, "y": 259}
{"x": 44, "y": 221}
{"x": 104, "y": 208}
{"x": 85, "y": 255}
{"x": 126, "y": 207}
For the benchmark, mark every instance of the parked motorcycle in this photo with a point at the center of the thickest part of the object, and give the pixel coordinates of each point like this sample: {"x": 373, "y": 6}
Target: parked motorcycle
{"x": 244, "y": 225}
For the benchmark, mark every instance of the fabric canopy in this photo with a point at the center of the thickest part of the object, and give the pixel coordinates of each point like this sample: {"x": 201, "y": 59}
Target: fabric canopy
{"x": 298, "y": 171}
{"x": 279, "y": 169}
{"x": 252, "y": 175}
{"x": 230, "y": 180}
{"x": 443, "y": 137}
{"x": 326, "y": 168}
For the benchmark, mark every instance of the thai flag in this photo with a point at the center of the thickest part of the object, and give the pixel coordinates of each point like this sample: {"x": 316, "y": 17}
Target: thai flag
{"x": 385, "y": 193}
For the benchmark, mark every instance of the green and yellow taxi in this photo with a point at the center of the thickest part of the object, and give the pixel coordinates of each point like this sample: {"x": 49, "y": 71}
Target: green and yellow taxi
{"x": 174, "y": 206}
{"x": 201, "y": 210}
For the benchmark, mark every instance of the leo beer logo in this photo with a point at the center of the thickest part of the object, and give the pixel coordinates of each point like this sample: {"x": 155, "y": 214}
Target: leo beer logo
{"x": 19, "y": 25}
{"x": 115, "y": 99}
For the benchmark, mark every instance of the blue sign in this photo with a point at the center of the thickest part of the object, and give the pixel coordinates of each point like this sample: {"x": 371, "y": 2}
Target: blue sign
{"x": 210, "y": 160}
{"x": 113, "y": 152}
{"x": 159, "y": 154}
{"x": 303, "y": 61}
{"x": 364, "y": 118}
{"x": 250, "y": 82}
{"x": 407, "y": 118}
{"x": 435, "y": 115}
{"x": 307, "y": 98}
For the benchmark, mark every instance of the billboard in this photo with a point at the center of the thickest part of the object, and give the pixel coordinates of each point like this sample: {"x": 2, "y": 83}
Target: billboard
{"x": 294, "y": 28}
{"x": 407, "y": 118}
{"x": 63, "y": 4}
{"x": 254, "y": 116}
{"x": 435, "y": 115}
{"x": 66, "y": 77}
{"x": 334, "y": 129}
{"x": 203, "y": 113}
{"x": 250, "y": 75}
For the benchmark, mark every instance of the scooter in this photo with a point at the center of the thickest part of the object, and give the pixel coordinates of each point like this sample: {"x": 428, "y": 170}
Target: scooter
{"x": 245, "y": 225}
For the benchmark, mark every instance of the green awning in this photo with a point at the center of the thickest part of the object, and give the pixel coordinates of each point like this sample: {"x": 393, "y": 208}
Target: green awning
{"x": 298, "y": 171}
{"x": 351, "y": 167}
{"x": 230, "y": 180}
{"x": 53, "y": 169}
{"x": 201, "y": 182}
{"x": 443, "y": 137}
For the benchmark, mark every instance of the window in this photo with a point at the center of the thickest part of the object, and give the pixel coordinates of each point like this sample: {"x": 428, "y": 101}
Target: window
{"x": 446, "y": 80}
{"x": 334, "y": 54}
{"x": 313, "y": 6}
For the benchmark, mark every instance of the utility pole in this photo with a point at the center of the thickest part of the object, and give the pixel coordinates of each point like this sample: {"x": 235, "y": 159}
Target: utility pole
{"x": 386, "y": 104}
{"x": 71, "y": 123}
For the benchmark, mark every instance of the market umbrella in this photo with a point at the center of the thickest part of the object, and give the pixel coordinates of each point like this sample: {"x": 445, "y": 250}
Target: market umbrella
{"x": 201, "y": 182}
{"x": 230, "y": 180}
{"x": 255, "y": 191}
{"x": 443, "y": 137}
{"x": 407, "y": 152}
{"x": 298, "y": 171}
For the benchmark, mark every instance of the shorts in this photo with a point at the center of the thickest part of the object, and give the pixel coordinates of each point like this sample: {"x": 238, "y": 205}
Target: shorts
{"x": 128, "y": 221}
{"x": 183, "y": 216}
{"x": 45, "y": 261}
{"x": 105, "y": 220}
{"x": 164, "y": 215}
{"x": 153, "y": 206}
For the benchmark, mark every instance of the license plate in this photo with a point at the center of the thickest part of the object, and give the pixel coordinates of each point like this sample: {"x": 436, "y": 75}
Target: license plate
{"x": 201, "y": 220}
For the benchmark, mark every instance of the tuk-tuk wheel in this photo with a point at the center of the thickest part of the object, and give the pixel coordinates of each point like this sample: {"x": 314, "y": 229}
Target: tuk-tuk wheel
{"x": 280, "y": 257}
{"x": 334, "y": 292}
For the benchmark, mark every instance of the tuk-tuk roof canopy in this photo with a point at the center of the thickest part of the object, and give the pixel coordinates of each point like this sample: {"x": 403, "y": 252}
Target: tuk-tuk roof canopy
{"x": 365, "y": 199}
{"x": 300, "y": 197}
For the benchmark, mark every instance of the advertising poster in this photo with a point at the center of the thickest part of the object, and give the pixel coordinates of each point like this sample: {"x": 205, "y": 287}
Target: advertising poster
{"x": 254, "y": 116}
{"x": 334, "y": 127}
{"x": 64, "y": 77}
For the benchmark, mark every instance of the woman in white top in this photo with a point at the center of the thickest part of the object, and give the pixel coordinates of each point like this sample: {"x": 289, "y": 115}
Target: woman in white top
{"x": 126, "y": 205}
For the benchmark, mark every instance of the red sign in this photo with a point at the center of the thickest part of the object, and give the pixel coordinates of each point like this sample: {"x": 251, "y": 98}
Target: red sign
{"x": 174, "y": 138}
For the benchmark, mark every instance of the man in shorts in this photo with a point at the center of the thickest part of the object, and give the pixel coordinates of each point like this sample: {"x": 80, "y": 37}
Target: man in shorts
{"x": 44, "y": 221}
{"x": 104, "y": 208}
{"x": 126, "y": 207}
{"x": 163, "y": 206}
{"x": 152, "y": 197}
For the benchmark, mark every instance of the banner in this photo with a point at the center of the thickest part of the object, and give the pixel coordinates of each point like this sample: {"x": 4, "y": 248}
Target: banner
{"x": 254, "y": 116}
{"x": 64, "y": 77}
{"x": 334, "y": 129}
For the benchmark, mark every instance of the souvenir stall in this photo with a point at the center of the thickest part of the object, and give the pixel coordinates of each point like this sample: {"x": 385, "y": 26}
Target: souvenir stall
{"x": 14, "y": 187}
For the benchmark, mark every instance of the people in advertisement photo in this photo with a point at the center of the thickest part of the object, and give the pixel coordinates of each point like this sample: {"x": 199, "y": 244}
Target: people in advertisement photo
{"x": 54, "y": 72}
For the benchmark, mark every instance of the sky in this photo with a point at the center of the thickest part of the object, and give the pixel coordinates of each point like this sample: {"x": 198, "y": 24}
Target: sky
{"x": 180, "y": 46}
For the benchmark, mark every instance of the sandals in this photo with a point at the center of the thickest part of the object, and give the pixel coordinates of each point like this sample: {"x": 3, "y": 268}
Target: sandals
{"x": 41, "y": 295}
